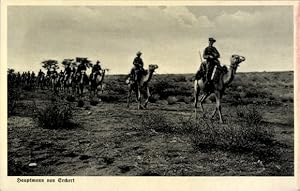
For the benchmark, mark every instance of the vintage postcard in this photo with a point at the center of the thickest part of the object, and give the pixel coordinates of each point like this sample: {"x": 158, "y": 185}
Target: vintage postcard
{"x": 149, "y": 95}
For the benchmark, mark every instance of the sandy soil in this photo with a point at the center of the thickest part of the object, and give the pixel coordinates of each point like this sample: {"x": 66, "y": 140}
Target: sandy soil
{"x": 107, "y": 143}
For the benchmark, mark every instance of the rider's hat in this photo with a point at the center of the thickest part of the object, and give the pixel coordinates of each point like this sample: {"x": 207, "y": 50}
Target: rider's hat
{"x": 211, "y": 39}
{"x": 97, "y": 62}
{"x": 139, "y": 53}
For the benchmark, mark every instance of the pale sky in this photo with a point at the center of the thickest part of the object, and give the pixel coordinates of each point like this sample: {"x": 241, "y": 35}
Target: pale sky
{"x": 169, "y": 36}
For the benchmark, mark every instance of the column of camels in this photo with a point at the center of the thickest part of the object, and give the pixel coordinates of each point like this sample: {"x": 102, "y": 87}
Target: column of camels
{"x": 221, "y": 78}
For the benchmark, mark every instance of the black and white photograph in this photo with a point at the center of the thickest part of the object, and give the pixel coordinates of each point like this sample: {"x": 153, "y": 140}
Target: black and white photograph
{"x": 150, "y": 90}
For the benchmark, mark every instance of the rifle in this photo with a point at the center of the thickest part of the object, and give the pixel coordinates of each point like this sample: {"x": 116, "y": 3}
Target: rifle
{"x": 200, "y": 56}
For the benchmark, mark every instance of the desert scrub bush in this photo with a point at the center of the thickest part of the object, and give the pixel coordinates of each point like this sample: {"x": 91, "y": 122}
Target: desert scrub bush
{"x": 110, "y": 98}
{"x": 155, "y": 122}
{"x": 165, "y": 89}
{"x": 27, "y": 87}
{"x": 55, "y": 115}
{"x": 185, "y": 99}
{"x": 180, "y": 78}
{"x": 249, "y": 114}
{"x": 80, "y": 103}
{"x": 171, "y": 100}
{"x": 288, "y": 97}
{"x": 13, "y": 97}
{"x": 154, "y": 98}
{"x": 234, "y": 136}
{"x": 94, "y": 102}
{"x": 70, "y": 98}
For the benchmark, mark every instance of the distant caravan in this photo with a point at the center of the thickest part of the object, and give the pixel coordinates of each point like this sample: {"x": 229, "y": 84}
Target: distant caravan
{"x": 221, "y": 78}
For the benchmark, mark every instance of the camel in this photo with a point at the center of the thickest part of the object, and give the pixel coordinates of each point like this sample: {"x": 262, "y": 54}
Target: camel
{"x": 55, "y": 83}
{"x": 81, "y": 81}
{"x": 97, "y": 81}
{"x": 68, "y": 80}
{"x": 41, "y": 81}
{"x": 222, "y": 78}
{"x": 136, "y": 86}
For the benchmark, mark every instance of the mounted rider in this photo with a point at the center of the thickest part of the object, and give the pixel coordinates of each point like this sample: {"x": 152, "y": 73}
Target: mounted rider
{"x": 48, "y": 73}
{"x": 41, "y": 73}
{"x": 67, "y": 72}
{"x": 96, "y": 70}
{"x": 211, "y": 54}
{"x": 81, "y": 69}
{"x": 138, "y": 67}
{"x": 54, "y": 74}
{"x": 32, "y": 76}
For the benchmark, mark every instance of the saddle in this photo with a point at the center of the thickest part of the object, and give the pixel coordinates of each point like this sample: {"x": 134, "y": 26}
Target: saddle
{"x": 215, "y": 71}
{"x": 94, "y": 75}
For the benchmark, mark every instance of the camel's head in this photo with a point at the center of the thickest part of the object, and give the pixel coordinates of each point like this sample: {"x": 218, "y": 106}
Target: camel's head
{"x": 152, "y": 67}
{"x": 235, "y": 61}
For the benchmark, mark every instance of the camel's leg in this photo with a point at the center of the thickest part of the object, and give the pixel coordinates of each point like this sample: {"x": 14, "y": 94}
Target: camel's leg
{"x": 196, "y": 97}
{"x": 202, "y": 99}
{"x": 129, "y": 96}
{"x": 91, "y": 90}
{"x": 218, "y": 107}
{"x": 101, "y": 85}
{"x": 138, "y": 96}
{"x": 148, "y": 96}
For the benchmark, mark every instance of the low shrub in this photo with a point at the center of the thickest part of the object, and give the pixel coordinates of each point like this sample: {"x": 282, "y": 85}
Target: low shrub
{"x": 55, "y": 115}
{"x": 288, "y": 97}
{"x": 154, "y": 98}
{"x": 234, "y": 137}
{"x": 80, "y": 103}
{"x": 171, "y": 100}
{"x": 188, "y": 100}
{"x": 246, "y": 134}
{"x": 249, "y": 114}
{"x": 94, "y": 102}
{"x": 109, "y": 98}
{"x": 179, "y": 79}
{"x": 27, "y": 87}
{"x": 13, "y": 97}
{"x": 70, "y": 98}
{"x": 155, "y": 121}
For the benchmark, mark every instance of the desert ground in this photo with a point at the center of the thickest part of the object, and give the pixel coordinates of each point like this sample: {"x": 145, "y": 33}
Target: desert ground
{"x": 105, "y": 138}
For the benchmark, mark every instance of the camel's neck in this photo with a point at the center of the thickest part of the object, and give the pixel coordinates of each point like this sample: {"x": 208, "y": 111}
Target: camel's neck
{"x": 102, "y": 77}
{"x": 229, "y": 76}
{"x": 148, "y": 76}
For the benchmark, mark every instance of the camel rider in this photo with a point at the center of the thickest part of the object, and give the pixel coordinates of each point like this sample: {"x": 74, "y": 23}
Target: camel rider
{"x": 73, "y": 70}
{"x": 54, "y": 73}
{"x": 211, "y": 55}
{"x": 41, "y": 73}
{"x": 138, "y": 66}
{"x": 68, "y": 71}
{"x": 81, "y": 67}
{"x": 48, "y": 73}
{"x": 32, "y": 77}
{"x": 96, "y": 70}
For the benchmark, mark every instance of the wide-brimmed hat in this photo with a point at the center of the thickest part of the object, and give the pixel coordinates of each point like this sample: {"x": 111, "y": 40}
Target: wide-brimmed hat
{"x": 211, "y": 39}
{"x": 139, "y": 53}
